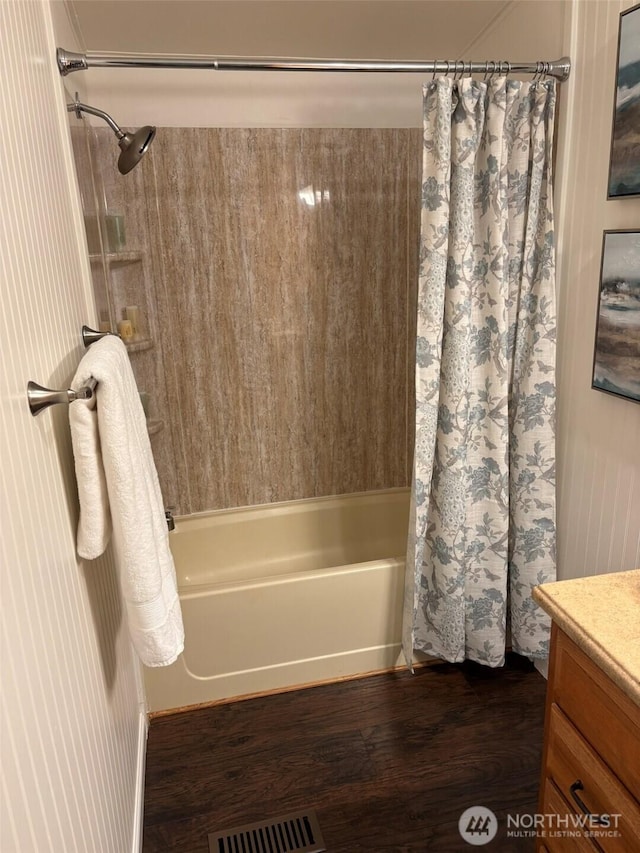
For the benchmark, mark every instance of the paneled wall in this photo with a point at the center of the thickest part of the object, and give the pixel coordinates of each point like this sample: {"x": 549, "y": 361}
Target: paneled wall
{"x": 598, "y": 447}
{"x": 72, "y": 736}
{"x": 598, "y": 434}
{"x": 281, "y": 265}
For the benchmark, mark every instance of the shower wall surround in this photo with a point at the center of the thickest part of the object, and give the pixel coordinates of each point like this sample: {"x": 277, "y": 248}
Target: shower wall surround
{"x": 281, "y": 267}
{"x": 81, "y": 138}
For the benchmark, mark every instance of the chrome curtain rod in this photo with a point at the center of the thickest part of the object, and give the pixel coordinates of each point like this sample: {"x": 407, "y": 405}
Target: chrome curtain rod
{"x": 69, "y": 61}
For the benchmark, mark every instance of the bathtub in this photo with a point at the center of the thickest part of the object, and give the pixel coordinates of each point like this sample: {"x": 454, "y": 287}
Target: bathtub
{"x": 285, "y": 594}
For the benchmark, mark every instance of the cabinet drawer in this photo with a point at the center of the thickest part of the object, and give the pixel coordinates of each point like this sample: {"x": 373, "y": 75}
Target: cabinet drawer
{"x": 569, "y": 759}
{"x": 554, "y": 804}
{"x": 605, "y": 716}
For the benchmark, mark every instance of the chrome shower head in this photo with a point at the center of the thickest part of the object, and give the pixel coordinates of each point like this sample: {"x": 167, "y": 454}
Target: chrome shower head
{"x": 133, "y": 146}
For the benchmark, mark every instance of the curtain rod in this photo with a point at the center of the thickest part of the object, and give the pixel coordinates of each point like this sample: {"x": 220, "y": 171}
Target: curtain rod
{"x": 69, "y": 61}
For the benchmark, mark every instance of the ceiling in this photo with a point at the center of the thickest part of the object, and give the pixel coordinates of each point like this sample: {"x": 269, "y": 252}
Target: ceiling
{"x": 374, "y": 29}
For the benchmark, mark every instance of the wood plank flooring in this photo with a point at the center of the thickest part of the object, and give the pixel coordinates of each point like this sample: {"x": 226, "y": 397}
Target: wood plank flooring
{"x": 389, "y": 762}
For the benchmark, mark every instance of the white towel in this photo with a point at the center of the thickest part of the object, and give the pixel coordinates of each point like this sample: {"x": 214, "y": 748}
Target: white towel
{"x": 113, "y": 457}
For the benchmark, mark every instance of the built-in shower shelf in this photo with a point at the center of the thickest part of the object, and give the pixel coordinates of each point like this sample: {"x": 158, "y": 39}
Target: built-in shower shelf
{"x": 139, "y": 346}
{"x": 154, "y": 425}
{"x": 115, "y": 259}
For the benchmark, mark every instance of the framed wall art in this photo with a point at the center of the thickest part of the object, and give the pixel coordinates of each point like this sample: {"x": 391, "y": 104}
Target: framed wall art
{"x": 616, "y": 362}
{"x": 624, "y": 164}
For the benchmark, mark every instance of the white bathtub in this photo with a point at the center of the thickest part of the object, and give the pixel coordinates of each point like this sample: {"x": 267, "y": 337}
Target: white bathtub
{"x": 285, "y": 594}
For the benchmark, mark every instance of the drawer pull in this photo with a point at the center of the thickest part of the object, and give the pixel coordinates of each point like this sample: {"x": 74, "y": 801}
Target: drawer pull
{"x": 596, "y": 820}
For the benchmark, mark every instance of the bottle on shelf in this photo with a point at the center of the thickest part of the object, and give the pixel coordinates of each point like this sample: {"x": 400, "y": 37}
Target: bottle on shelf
{"x": 132, "y": 313}
{"x": 125, "y": 330}
{"x": 114, "y": 227}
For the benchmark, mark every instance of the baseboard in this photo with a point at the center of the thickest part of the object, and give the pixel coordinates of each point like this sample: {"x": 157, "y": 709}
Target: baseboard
{"x": 138, "y": 814}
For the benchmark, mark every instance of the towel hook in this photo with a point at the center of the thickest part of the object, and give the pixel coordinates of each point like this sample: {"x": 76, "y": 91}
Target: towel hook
{"x": 40, "y": 398}
{"x": 90, "y": 336}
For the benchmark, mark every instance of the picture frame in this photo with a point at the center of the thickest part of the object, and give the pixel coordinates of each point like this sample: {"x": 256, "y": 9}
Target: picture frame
{"x": 624, "y": 160}
{"x": 616, "y": 357}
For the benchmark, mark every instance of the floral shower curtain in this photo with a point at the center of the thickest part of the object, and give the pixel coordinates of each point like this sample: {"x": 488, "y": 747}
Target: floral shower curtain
{"x": 483, "y": 504}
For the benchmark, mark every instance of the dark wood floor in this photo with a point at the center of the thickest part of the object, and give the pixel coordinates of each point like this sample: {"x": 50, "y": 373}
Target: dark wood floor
{"x": 389, "y": 762}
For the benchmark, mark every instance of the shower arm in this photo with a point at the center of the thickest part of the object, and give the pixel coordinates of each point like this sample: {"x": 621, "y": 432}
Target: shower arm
{"x": 79, "y": 108}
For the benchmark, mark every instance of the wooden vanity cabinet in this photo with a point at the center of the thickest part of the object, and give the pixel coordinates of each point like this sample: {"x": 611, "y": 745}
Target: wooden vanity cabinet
{"x": 591, "y": 761}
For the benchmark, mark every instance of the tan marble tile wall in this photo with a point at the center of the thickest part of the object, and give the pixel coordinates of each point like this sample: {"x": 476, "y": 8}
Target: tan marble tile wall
{"x": 283, "y": 265}
{"x": 135, "y": 283}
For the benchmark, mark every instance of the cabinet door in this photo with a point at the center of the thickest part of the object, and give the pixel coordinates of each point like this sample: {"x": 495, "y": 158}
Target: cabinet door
{"x": 580, "y": 775}
{"x": 601, "y": 712}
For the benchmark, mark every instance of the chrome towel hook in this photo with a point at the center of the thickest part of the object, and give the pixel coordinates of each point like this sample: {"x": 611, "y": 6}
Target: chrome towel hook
{"x": 90, "y": 336}
{"x": 40, "y": 398}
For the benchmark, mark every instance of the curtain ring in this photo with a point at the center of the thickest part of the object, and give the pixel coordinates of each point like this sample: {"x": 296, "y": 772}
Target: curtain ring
{"x": 536, "y": 76}
{"x": 508, "y": 68}
{"x": 470, "y": 71}
{"x": 486, "y": 70}
{"x": 446, "y": 73}
{"x": 435, "y": 66}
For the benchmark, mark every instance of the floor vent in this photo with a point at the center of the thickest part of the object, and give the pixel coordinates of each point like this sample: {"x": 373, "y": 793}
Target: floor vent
{"x": 297, "y": 832}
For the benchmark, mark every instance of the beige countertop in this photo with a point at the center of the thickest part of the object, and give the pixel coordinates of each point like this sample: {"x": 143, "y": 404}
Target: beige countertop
{"x": 601, "y": 614}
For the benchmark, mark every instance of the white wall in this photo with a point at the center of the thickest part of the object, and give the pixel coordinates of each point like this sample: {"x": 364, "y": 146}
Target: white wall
{"x": 186, "y": 98}
{"x": 598, "y": 445}
{"x": 526, "y": 30}
{"x": 418, "y": 29}
{"x": 385, "y": 29}
{"x": 73, "y": 736}
{"x": 598, "y": 434}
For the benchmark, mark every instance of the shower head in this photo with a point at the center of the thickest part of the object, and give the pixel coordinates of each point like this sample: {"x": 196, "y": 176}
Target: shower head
{"x": 133, "y": 146}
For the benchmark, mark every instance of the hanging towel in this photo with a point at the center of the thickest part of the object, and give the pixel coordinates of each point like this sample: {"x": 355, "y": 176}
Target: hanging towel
{"x": 118, "y": 489}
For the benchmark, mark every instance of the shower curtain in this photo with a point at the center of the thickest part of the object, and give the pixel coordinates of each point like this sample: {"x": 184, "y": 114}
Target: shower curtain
{"x": 483, "y": 497}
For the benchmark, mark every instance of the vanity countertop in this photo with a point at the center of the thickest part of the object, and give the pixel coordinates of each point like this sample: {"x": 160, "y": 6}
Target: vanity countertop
{"x": 601, "y": 614}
